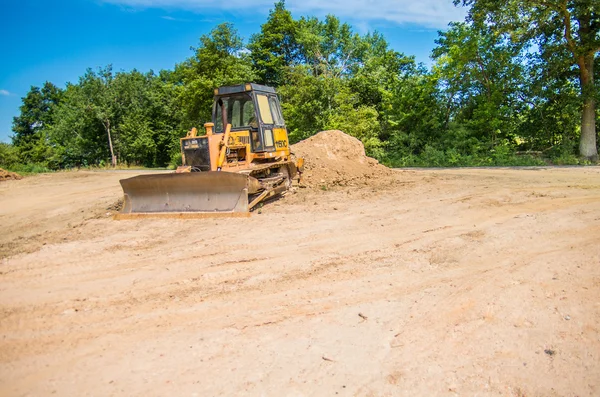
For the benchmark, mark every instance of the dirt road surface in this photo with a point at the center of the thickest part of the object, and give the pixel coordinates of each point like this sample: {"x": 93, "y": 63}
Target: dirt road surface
{"x": 427, "y": 283}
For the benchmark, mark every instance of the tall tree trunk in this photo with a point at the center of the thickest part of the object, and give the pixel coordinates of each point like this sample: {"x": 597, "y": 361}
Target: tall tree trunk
{"x": 587, "y": 143}
{"x": 585, "y": 61}
{"x": 113, "y": 159}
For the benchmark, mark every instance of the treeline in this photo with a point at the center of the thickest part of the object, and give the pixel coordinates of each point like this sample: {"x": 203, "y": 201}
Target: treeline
{"x": 511, "y": 79}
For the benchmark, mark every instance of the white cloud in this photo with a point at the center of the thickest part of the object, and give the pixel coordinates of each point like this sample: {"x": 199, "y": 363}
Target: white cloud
{"x": 428, "y": 13}
{"x": 169, "y": 18}
{"x": 5, "y": 93}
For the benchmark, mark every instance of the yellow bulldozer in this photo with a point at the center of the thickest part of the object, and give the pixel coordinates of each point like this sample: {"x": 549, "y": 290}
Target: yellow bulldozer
{"x": 243, "y": 159}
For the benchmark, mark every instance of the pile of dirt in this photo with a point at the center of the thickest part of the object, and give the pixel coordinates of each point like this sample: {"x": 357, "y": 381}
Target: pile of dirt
{"x": 333, "y": 158}
{"x": 6, "y": 175}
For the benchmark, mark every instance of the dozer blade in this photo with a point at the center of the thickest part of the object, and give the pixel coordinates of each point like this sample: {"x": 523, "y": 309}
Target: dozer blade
{"x": 195, "y": 194}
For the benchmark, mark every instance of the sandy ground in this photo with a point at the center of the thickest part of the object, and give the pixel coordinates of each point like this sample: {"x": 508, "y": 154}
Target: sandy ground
{"x": 431, "y": 283}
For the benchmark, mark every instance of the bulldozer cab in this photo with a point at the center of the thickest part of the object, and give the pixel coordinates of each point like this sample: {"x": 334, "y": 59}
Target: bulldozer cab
{"x": 254, "y": 108}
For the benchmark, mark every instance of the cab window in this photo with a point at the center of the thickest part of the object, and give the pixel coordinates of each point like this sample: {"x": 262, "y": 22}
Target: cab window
{"x": 265, "y": 111}
{"x": 276, "y": 111}
{"x": 235, "y": 114}
{"x": 239, "y": 112}
{"x": 221, "y": 103}
{"x": 249, "y": 118}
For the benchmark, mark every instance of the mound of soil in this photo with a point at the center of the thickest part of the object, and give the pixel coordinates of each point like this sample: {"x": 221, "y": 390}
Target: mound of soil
{"x": 6, "y": 175}
{"x": 333, "y": 158}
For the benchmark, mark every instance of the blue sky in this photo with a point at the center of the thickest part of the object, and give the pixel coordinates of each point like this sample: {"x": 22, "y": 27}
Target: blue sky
{"x": 57, "y": 40}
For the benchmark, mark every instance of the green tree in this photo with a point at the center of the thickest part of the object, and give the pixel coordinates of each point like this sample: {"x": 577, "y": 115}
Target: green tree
{"x": 77, "y": 136}
{"x": 329, "y": 47}
{"x": 147, "y": 120}
{"x": 356, "y": 83}
{"x": 400, "y": 91}
{"x": 480, "y": 77}
{"x": 221, "y": 59}
{"x": 568, "y": 27}
{"x": 276, "y": 47}
{"x": 551, "y": 114}
{"x": 356, "y": 119}
{"x": 100, "y": 101}
{"x": 307, "y": 101}
{"x": 37, "y": 114}
{"x": 132, "y": 111}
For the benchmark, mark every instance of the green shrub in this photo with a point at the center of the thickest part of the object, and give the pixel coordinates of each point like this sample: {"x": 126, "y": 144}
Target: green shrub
{"x": 28, "y": 168}
{"x": 565, "y": 159}
{"x": 501, "y": 156}
{"x": 176, "y": 160}
{"x": 8, "y": 155}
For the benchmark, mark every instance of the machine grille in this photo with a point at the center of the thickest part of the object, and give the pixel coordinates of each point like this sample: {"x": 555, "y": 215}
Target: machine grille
{"x": 197, "y": 154}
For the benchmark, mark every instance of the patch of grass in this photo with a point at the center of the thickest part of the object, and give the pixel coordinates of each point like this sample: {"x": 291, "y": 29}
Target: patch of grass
{"x": 453, "y": 159}
{"x": 119, "y": 167}
{"x": 28, "y": 169}
{"x": 569, "y": 159}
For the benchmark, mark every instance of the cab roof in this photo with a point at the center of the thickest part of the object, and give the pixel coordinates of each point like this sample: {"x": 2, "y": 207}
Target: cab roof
{"x": 235, "y": 89}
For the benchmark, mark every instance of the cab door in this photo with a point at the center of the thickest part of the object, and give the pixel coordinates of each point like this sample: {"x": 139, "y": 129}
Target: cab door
{"x": 270, "y": 120}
